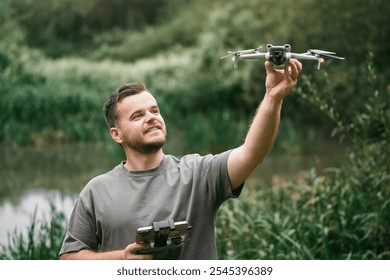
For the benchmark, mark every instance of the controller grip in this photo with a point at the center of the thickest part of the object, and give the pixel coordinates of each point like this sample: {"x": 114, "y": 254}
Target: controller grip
{"x": 169, "y": 252}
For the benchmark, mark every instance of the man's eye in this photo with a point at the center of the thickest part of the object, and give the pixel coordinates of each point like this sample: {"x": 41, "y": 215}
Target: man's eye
{"x": 136, "y": 116}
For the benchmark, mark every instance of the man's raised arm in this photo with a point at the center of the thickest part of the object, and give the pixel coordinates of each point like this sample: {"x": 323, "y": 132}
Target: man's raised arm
{"x": 263, "y": 130}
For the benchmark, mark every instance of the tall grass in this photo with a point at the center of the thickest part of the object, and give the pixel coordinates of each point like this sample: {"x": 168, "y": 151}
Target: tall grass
{"x": 318, "y": 218}
{"x": 325, "y": 218}
{"x": 42, "y": 241}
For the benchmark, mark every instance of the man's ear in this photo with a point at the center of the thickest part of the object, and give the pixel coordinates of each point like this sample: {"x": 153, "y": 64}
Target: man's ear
{"x": 116, "y": 135}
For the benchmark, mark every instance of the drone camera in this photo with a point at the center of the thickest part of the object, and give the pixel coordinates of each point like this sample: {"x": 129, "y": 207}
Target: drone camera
{"x": 277, "y": 54}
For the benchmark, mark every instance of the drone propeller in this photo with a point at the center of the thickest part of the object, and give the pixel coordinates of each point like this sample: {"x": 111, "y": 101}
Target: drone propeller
{"x": 324, "y": 53}
{"x": 237, "y": 53}
{"x": 250, "y": 50}
{"x": 234, "y": 54}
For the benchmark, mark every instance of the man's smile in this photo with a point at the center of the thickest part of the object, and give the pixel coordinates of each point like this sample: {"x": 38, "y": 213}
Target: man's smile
{"x": 151, "y": 129}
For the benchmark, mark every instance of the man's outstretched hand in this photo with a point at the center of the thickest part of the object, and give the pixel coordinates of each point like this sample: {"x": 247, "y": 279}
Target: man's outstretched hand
{"x": 279, "y": 83}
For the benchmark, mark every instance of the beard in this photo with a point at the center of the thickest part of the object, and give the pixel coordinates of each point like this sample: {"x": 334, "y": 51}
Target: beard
{"x": 143, "y": 147}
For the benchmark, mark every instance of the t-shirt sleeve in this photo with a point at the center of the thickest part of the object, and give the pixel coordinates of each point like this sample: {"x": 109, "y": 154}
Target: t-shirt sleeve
{"x": 81, "y": 229}
{"x": 218, "y": 178}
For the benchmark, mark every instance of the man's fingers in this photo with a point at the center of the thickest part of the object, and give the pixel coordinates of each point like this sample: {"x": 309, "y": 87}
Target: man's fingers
{"x": 293, "y": 68}
{"x": 132, "y": 252}
{"x": 145, "y": 257}
{"x": 269, "y": 67}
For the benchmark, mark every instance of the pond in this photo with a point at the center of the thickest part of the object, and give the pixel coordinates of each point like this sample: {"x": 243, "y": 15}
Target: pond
{"x": 34, "y": 177}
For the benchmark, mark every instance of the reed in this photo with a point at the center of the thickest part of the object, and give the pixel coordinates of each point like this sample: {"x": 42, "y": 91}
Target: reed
{"x": 323, "y": 218}
{"x": 42, "y": 241}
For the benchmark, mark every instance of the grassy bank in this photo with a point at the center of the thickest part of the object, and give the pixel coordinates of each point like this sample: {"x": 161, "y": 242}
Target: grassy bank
{"x": 41, "y": 241}
{"x": 327, "y": 217}
{"x": 322, "y": 218}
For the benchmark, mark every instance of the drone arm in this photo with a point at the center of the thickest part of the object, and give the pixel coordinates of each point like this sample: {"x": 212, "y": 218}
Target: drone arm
{"x": 254, "y": 56}
{"x": 304, "y": 56}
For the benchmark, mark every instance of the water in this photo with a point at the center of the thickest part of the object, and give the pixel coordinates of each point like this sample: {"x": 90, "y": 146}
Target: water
{"x": 32, "y": 178}
{"x": 20, "y": 215}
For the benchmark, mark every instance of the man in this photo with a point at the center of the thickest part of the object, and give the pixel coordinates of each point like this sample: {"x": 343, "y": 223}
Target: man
{"x": 151, "y": 186}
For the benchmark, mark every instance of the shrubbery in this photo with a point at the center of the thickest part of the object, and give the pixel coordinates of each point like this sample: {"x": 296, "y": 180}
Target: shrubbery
{"x": 179, "y": 59}
{"x": 43, "y": 240}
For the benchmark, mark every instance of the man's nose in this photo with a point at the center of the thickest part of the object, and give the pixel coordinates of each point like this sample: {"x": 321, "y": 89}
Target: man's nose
{"x": 150, "y": 117}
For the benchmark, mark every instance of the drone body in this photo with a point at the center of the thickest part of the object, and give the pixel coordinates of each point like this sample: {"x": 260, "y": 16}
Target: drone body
{"x": 280, "y": 55}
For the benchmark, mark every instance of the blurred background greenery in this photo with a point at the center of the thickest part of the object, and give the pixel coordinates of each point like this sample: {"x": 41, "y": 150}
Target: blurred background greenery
{"x": 59, "y": 61}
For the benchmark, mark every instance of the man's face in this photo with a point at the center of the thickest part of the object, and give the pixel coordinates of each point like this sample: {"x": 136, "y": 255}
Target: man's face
{"x": 140, "y": 126}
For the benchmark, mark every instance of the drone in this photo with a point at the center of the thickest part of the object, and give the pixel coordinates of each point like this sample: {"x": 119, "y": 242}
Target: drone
{"x": 280, "y": 55}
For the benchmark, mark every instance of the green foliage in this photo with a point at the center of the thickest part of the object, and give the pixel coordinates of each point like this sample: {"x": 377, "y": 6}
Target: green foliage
{"x": 170, "y": 36}
{"x": 43, "y": 240}
{"x": 14, "y": 55}
{"x": 212, "y": 131}
{"x": 325, "y": 218}
{"x": 62, "y": 114}
{"x": 175, "y": 48}
{"x": 63, "y": 27}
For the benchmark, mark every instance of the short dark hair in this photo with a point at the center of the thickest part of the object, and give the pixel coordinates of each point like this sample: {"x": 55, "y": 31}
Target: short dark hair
{"x": 117, "y": 96}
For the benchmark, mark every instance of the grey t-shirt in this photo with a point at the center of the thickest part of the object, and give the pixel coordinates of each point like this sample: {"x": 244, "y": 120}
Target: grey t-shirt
{"x": 114, "y": 205}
